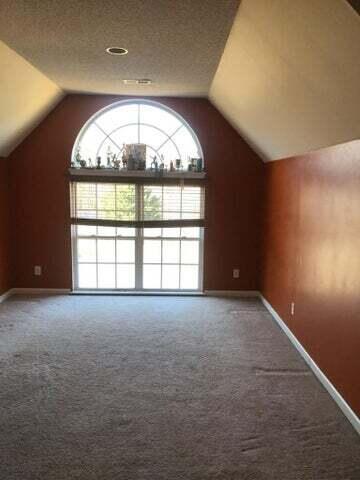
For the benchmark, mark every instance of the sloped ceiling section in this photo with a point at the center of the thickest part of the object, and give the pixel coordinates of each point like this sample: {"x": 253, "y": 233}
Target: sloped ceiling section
{"x": 176, "y": 43}
{"x": 26, "y": 97}
{"x": 288, "y": 79}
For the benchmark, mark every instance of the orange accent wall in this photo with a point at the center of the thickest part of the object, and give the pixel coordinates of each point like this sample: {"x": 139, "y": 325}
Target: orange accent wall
{"x": 5, "y": 258}
{"x": 312, "y": 257}
{"x": 41, "y": 199}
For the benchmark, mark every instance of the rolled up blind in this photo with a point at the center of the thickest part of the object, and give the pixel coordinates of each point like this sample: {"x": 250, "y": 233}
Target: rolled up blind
{"x": 136, "y": 205}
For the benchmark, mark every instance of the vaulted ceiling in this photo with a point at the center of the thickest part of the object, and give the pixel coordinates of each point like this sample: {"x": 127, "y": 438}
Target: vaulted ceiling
{"x": 290, "y": 74}
{"x": 26, "y": 97}
{"x": 175, "y": 43}
{"x": 284, "y": 73}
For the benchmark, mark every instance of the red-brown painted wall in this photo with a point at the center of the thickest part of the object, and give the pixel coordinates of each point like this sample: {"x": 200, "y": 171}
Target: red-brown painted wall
{"x": 41, "y": 198}
{"x": 312, "y": 257}
{"x": 5, "y": 208}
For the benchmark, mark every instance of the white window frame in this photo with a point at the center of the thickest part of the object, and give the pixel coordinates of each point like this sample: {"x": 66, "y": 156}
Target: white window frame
{"x": 139, "y": 240}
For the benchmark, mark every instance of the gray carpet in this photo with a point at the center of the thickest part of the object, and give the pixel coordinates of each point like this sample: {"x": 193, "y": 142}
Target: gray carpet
{"x": 161, "y": 388}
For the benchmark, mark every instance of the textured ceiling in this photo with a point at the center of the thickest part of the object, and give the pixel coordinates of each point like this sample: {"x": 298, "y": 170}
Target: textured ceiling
{"x": 288, "y": 78}
{"x": 290, "y": 74}
{"x": 26, "y": 97}
{"x": 176, "y": 43}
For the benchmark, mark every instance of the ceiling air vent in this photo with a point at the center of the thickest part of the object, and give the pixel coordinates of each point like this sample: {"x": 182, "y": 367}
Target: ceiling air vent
{"x": 138, "y": 81}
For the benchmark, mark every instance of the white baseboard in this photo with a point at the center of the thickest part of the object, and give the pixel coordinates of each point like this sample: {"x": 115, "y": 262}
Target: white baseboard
{"x": 344, "y": 407}
{"x": 5, "y": 295}
{"x": 39, "y": 291}
{"x": 232, "y": 293}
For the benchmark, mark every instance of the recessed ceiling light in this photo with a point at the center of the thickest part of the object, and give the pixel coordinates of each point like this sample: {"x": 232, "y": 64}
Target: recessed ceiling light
{"x": 117, "y": 51}
{"x": 137, "y": 81}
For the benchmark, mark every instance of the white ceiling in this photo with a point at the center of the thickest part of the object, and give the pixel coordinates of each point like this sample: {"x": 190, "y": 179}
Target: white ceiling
{"x": 26, "y": 97}
{"x": 176, "y": 43}
{"x": 289, "y": 78}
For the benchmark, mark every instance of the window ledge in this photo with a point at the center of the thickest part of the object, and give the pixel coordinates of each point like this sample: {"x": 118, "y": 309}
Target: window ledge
{"x": 106, "y": 172}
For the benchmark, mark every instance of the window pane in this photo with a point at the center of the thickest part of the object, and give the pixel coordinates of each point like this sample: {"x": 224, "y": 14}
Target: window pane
{"x": 125, "y": 232}
{"x": 172, "y": 200}
{"x": 106, "y": 231}
{"x": 186, "y": 144}
{"x": 191, "y": 202}
{"x": 189, "y": 251}
{"x": 86, "y": 250}
{"x": 170, "y": 152}
{"x": 106, "y": 276}
{"x": 118, "y": 116}
{"x": 171, "y": 232}
{"x": 125, "y": 251}
{"x": 152, "y": 251}
{"x": 86, "y": 276}
{"x": 157, "y": 116}
{"x": 152, "y": 136}
{"x": 90, "y": 142}
{"x": 125, "y": 202}
{"x": 86, "y": 214}
{"x": 85, "y": 196}
{"x": 152, "y": 202}
{"x": 85, "y": 230}
{"x": 126, "y": 135}
{"x": 190, "y": 232}
{"x": 106, "y": 196}
{"x": 106, "y": 251}
{"x": 170, "y": 276}
{"x": 189, "y": 277}
{"x": 152, "y": 232}
{"x": 171, "y": 251}
{"x": 125, "y": 276}
{"x": 152, "y": 276}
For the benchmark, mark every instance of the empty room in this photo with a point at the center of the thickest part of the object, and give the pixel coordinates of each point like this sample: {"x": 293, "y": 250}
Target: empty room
{"x": 179, "y": 239}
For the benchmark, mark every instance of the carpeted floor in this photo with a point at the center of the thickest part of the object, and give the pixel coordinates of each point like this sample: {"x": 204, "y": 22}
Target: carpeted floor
{"x": 153, "y": 388}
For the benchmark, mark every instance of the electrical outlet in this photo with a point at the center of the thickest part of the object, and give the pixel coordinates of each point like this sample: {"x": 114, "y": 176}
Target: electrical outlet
{"x": 236, "y": 273}
{"x": 37, "y": 270}
{"x": 292, "y": 308}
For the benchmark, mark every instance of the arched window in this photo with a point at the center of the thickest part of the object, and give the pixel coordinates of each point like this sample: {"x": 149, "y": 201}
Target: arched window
{"x": 137, "y": 230}
{"x": 165, "y": 134}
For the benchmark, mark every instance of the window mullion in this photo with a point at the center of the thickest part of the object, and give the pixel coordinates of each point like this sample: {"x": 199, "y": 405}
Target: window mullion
{"x": 138, "y": 123}
{"x": 96, "y": 241}
{"x": 139, "y": 195}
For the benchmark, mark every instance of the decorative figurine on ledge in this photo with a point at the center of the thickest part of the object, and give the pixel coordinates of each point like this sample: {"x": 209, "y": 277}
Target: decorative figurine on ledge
{"x": 154, "y": 164}
{"x": 195, "y": 165}
{"x": 172, "y": 168}
{"x": 108, "y": 157}
{"x": 116, "y": 162}
{"x": 124, "y": 161}
{"x": 161, "y": 166}
{"x": 78, "y": 158}
{"x": 98, "y": 163}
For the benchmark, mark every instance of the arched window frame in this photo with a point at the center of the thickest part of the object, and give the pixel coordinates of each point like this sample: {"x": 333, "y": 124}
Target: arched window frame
{"x": 140, "y": 101}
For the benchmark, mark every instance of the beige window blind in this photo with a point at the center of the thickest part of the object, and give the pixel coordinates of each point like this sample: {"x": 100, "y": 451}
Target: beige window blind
{"x": 136, "y": 205}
